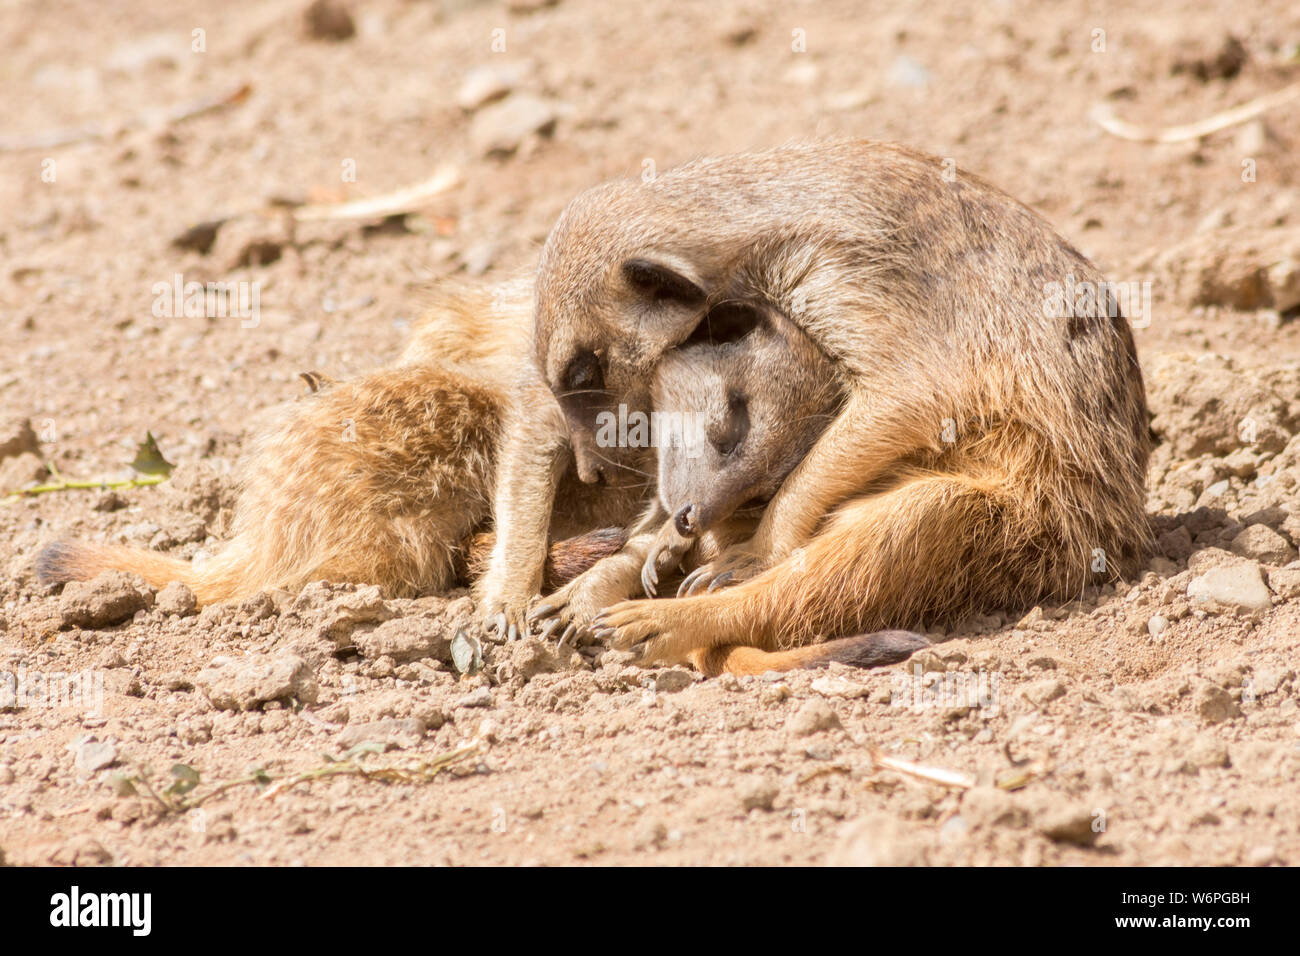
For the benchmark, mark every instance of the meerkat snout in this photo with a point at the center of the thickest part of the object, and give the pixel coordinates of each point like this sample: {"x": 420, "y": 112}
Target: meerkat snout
{"x": 686, "y": 521}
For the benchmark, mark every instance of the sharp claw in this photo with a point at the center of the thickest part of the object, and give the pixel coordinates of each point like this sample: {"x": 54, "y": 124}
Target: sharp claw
{"x": 648, "y": 580}
{"x": 569, "y": 632}
{"x": 697, "y": 584}
{"x": 500, "y": 624}
{"x": 684, "y": 588}
{"x": 540, "y": 611}
{"x": 514, "y": 633}
{"x": 550, "y": 626}
{"x": 721, "y": 580}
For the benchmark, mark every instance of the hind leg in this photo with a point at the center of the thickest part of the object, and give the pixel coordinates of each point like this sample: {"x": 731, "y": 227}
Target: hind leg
{"x": 930, "y": 548}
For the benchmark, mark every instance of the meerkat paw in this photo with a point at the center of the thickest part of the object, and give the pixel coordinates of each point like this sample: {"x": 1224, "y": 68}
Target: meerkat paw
{"x": 736, "y": 564}
{"x": 665, "y": 557}
{"x": 504, "y": 616}
{"x": 657, "y": 631}
{"x": 570, "y": 610}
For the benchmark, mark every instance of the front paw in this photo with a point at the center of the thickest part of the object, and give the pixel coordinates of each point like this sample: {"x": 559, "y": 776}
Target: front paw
{"x": 570, "y": 610}
{"x": 502, "y": 610}
{"x": 656, "y": 631}
{"x": 504, "y": 618}
{"x": 737, "y": 563}
{"x": 662, "y": 559}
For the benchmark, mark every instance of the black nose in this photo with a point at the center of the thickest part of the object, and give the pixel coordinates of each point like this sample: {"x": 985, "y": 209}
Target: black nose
{"x": 686, "y": 521}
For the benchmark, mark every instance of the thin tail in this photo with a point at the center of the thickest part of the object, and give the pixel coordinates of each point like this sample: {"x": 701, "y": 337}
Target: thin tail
{"x": 215, "y": 580}
{"x": 863, "y": 650}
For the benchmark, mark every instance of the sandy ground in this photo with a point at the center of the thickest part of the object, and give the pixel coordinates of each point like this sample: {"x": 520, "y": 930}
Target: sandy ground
{"x": 1153, "y": 723}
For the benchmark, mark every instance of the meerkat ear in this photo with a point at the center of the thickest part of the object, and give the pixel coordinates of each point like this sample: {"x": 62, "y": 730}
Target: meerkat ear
{"x": 662, "y": 282}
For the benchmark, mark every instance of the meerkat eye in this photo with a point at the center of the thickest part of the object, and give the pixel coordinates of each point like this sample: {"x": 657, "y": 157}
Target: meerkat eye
{"x": 727, "y": 322}
{"x": 584, "y": 373}
{"x": 726, "y": 435}
{"x": 659, "y": 283}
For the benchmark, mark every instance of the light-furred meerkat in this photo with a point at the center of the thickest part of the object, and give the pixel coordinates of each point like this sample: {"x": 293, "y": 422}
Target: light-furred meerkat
{"x": 992, "y": 445}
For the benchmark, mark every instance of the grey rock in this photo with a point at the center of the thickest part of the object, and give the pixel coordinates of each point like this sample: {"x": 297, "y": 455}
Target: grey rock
{"x": 176, "y": 598}
{"x": 758, "y": 794}
{"x": 245, "y": 683}
{"x": 673, "y": 680}
{"x": 482, "y": 697}
{"x": 390, "y": 733}
{"x": 109, "y": 598}
{"x": 501, "y": 128}
{"x": 17, "y": 437}
{"x": 531, "y": 656}
{"x": 487, "y": 84}
{"x": 406, "y": 639}
{"x": 1044, "y": 691}
{"x": 333, "y": 615}
{"x": 91, "y": 755}
{"x": 1213, "y": 703}
{"x": 1067, "y": 825}
{"x": 814, "y": 716}
{"x": 1285, "y": 582}
{"x": 1237, "y": 587}
{"x": 1261, "y": 543}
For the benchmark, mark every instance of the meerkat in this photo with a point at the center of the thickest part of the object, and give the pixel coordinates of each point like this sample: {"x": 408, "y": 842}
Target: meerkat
{"x": 735, "y": 409}
{"x": 747, "y": 410}
{"x": 384, "y": 479}
{"x": 741, "y": 403}
{"x": 991, "y": 448}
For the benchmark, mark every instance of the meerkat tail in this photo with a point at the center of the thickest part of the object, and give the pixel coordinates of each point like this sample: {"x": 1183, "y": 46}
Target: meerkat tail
{"x": 217, "y": 579}
{"x": 568, "y": 558}
{"x": 565, "y": 559}
{"x": 863, "y": 650}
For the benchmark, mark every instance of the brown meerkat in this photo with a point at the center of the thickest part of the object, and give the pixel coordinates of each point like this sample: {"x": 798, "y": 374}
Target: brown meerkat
{"x": 740, "y": 411}
{"x": 744, "y": 412}
{"x": 992, "y": 445}
{"x": 736, "y": 408}
{"x": 384, "y": 479}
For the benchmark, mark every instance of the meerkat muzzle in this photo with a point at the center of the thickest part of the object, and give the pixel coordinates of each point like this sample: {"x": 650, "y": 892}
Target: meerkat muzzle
{"x": 687, "y": 521}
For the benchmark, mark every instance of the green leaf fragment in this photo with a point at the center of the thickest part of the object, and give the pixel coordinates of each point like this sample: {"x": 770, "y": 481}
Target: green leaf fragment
{"x": 149, "y": 460}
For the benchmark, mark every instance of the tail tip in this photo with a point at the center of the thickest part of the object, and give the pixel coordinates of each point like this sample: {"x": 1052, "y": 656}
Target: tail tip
{"x": 874, "y": 650}
{"x": 54, "y": 563}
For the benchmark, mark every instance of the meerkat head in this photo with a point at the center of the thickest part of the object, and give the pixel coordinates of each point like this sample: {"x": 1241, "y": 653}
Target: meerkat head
{"x": 612, "y": 297}
{"x": 736, "y": 412}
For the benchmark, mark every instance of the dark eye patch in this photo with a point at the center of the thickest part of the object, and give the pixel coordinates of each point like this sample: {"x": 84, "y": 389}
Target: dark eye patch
{"x": 657, "y": 282}
{"x": 727, "y": 322}
{"x": 584, "y": 373}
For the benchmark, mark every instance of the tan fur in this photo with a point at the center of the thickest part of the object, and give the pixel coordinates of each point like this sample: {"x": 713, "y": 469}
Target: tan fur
{"x": 758, "y": 400}
{"x": 930, "y": 295}
{"x": 375, "y": 480}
